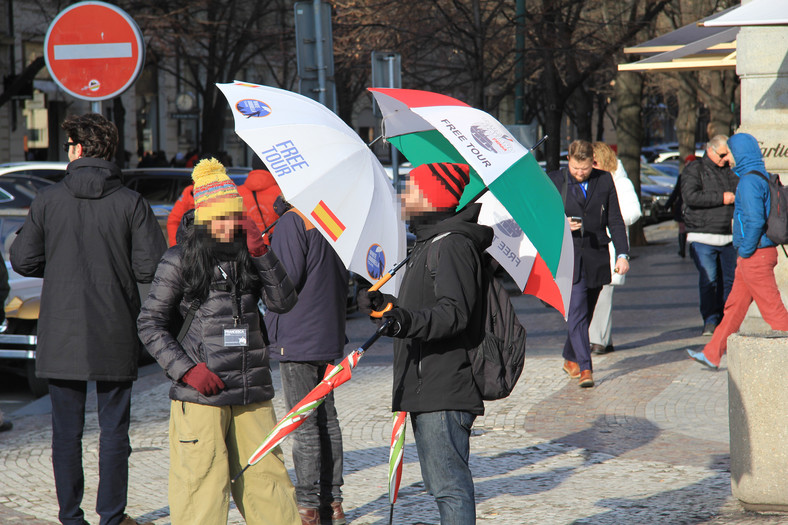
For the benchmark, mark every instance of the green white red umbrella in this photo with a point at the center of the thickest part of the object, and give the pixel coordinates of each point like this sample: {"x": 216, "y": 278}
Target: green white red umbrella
{"x": 334, "y": 377}
{"x": 396, "y": 453}
{"x": 533, "y": 241}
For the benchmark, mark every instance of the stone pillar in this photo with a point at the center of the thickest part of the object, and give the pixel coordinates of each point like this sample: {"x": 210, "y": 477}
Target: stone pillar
{"x": 764, "y": 112}
{"x": 757, "y": 405}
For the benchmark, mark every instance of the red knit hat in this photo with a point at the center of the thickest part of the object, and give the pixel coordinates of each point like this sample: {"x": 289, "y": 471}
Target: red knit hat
{"x": 441, "y": 183}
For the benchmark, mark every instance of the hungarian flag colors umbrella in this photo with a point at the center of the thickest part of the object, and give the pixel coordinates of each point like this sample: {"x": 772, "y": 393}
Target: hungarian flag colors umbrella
{"x": 326, "y": 171}
{"x": 334, "y": 376}
{"x": 533, "y": 241}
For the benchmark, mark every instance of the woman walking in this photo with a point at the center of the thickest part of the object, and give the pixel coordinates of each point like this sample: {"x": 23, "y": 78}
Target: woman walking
{"x": 221, "y": 383}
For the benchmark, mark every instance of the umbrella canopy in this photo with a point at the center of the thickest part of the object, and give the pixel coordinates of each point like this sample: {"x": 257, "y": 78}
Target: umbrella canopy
{"x": 334, "y": 376}
{"x": 533, "y": 241}
{"x": 326, "y": 171}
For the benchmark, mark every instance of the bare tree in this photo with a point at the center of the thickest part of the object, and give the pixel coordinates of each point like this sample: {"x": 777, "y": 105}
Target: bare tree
{"x": 212, "y": 41}
{"x": 574, "y": 40}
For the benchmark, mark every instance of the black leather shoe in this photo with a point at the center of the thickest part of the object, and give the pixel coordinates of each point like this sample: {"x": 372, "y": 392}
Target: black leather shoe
{"x": 598, "y": 349}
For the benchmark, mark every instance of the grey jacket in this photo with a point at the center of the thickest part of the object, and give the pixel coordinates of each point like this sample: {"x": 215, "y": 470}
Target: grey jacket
{"x": 244, "y": 370}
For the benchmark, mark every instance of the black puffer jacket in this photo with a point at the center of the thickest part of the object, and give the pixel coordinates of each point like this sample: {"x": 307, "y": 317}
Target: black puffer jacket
{"x": 702, "y": 186}
{"x": 431, "y": 367}
{"x": 244, "y": 370}
{"x": 92, "y": 240}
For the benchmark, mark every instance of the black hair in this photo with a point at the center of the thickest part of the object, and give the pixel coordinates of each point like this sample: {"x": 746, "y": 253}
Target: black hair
{"x": 199, "y": 260}
{"x": 98, "y": 136}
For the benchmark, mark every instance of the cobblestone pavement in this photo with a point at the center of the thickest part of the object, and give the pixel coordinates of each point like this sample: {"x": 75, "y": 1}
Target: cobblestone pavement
{"x": 648, "y": 444}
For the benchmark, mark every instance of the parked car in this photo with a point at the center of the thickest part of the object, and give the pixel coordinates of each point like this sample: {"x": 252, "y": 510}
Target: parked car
{"x": 53, "y": 171}
{"x": 19, "y": 190}
{"x": 163, "y": 186}
{"x": 653, "y": 197}
{"x": 655, "y": 176}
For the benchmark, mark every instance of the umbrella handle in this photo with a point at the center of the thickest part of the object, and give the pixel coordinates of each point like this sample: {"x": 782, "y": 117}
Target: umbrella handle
{"x": 383, "y": 280}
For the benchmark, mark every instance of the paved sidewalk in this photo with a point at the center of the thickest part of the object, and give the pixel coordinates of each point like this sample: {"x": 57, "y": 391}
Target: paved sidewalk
{"x": 648, "y": 444}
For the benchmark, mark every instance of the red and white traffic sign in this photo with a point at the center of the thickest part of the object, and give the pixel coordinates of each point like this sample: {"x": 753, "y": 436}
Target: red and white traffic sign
{"x": 94, "y": 50}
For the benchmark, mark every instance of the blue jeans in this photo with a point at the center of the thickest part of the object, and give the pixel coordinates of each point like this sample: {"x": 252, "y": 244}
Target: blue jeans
{"x": 317, "y": 443}
{"x": 443, "y": 444}
{"x": 68, "y": 420}
{"x": 716, "y": 268}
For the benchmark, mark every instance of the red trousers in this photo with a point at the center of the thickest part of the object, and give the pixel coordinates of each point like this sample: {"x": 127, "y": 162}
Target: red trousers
{"x": 753, "y": 281}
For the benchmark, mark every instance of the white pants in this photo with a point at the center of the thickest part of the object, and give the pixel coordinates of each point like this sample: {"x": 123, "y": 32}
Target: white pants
{"x": 600, "y": 329}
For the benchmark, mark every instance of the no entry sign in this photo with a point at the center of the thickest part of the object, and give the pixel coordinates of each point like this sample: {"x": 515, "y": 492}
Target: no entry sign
{"x": 94, "y": 50}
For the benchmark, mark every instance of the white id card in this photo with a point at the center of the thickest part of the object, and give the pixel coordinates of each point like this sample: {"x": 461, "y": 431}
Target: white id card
{"x": 237, "y": 336}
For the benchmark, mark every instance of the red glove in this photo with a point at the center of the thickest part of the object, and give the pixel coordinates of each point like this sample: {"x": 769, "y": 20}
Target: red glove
{"x": 203, "y": 380}
{"x": 254, "y": 239}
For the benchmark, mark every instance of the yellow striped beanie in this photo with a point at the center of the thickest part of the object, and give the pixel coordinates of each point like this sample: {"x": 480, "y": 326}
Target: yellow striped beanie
{"x": 215, "y": 194}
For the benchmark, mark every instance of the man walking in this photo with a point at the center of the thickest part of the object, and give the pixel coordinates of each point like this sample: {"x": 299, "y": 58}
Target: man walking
{"x": 591, "y": 203}
{"x": 306, "y": 340}
{"x": 708, "y": 189}
{"x": 754, "y": 279}
{"x": 92, "y": 240}
{"x": 438, "y": 317}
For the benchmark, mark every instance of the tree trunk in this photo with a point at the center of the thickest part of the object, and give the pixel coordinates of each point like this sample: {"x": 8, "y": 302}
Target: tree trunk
{"x": 719, "y": 100}
{"x": 687, "y": 120}
{"x": 213, "y": 123}
{"x": 582, "y": 112}
{"x": 629, "y": 96}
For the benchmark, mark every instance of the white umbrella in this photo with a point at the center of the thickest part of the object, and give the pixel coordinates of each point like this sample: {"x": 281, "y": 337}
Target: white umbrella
{"x": 326, "y": 171}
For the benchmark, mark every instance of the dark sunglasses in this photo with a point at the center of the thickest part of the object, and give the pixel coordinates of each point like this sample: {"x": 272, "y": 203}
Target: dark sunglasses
{"x": 721, "y": 155}
{"x": 67, "y": 144}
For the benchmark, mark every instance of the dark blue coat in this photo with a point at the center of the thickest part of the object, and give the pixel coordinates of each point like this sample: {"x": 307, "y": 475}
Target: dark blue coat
{"x": 600, "y": 211}
{"x": 314, "y": 330}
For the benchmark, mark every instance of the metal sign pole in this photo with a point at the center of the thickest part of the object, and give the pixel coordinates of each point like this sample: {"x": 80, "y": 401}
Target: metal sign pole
{"x": 319, "y": 62}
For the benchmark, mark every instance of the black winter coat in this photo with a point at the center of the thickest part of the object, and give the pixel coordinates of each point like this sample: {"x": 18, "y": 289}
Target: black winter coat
{"x": 702, "y": 186}
{"x": 432, "y": 370}
{"x": 92, "y": 240}
{"x": 243, "y": 369}
{"x": 600, "y": 211}
{"x": 314, "y": 330}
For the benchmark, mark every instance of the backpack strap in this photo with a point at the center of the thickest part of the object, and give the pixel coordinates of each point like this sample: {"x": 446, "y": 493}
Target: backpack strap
{"x": 187, "y": 321}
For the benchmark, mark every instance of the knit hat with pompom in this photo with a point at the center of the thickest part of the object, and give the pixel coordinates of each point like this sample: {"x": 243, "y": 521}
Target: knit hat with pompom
{"x": 215, "y": 194}
{"x": 441, "y": 183}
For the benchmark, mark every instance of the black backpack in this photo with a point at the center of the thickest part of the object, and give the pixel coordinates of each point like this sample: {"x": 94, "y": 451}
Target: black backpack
{"x": 777, "y": 222}
{"x": 498, "y": 360}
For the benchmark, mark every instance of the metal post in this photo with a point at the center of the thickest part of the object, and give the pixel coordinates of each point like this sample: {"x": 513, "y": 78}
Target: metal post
{"x": 319, "y": 62}
{"x": 95, "y": 106}
{"x": 519, "y": 64}
{"x": 394, "y": 153}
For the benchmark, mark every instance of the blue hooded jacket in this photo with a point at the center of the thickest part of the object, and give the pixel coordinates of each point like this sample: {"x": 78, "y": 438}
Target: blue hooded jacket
{"x": 752, "y": 196}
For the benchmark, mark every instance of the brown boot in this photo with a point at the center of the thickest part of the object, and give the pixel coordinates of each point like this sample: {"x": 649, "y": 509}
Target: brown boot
{"x": 309, "y": 515}
{"x": 332, "y": 513}
{"x": 586, "y": 379}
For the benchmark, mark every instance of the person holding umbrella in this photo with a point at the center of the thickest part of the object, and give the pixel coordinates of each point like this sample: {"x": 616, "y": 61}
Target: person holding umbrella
{"x": 221, "y": 382}
{"x": 438, "y": 316}
{"x": 306, "y": 340}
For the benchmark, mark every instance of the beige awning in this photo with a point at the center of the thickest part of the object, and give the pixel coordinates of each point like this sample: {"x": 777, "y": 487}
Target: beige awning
{"x": 691, "y": 47}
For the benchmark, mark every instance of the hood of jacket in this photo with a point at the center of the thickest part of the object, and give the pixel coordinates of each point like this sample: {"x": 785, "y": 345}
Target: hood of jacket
{"x": 747, "y": 154}
{"x": 259, "y": 180}
{"x": 91, "y": 178}
{"x": 463, "y": 222}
